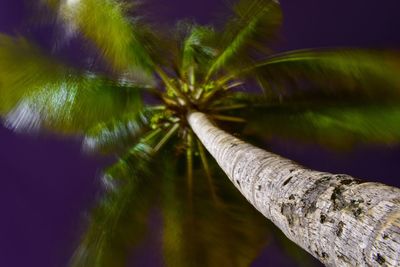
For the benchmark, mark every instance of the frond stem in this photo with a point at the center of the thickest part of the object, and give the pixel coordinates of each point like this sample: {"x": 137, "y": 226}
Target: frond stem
{"x": 151, "y": 135}
{"x": 164, "y": 77}
{"x": 227, "y": 118}
{"x": 189, "y": 162}
{"x": 222, "y": 88}
{"x": 166, "y": 137}
{"x": 204, "y": 161}
{"x": 231, "y": 107}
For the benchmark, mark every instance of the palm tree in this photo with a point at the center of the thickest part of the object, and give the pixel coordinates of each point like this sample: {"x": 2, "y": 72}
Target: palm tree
{"x": 158, "y": 98}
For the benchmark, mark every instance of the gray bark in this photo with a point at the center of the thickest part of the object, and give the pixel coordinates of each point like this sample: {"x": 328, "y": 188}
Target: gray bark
{"x": 340, "y": 220}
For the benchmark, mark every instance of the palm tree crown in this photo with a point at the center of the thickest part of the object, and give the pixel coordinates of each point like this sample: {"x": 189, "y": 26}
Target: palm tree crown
{"x": 136, "y": 102}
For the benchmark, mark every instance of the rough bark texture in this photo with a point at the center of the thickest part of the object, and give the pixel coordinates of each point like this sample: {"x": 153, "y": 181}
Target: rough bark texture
{"x": 340, "y": 220}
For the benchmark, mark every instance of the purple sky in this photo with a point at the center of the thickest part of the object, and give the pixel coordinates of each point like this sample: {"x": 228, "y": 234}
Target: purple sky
{"x": 47, "y": 183}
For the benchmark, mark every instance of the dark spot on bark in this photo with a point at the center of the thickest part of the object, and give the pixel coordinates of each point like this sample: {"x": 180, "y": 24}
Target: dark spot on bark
{"x": 339, "y": 229}
{"x": 324, "y": 255}
{"x": 355, "y": 207}
{"x": 335, "y": 193}
{"x": 322, "y": 180}
{"x": 351, "y": 182}
{"x": 346, "y": 181}
{"x": 259, "y": 187}
{"x": 287, "y": 181}
{"x": 233, "y": 145}
{"x": 312, "y": 194}
{"x": 238, "y": 182}
{"x": 322, "y": 218}
{"x": 356, "y": 201}
{"x": 358, "y": 181}
{"x": 288, "y": 210}
{"x": 291, "y": 170}
{"x": 385, "y": 236}
{"x": 357, "y": 212}
{"x": 337, "y": 198}
{"x": 291, "y": 197}
{"x": 364, "y": 255}
{"x": 343, "y": 258}
{"x": 379, "y": 259}
{"x": 316, "y": 253}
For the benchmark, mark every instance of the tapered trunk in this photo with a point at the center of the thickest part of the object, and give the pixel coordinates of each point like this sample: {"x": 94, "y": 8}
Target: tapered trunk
{"x": 340, "y": 220}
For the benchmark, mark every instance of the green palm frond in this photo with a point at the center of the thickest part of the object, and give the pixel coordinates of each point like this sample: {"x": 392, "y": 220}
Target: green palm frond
{"x": 205, "y": 232}
{"x": 73, "y": 104}
{"x": 332, "y": 125}
{"x": 118, "y": 133}
{"x": 361, "y": 72}
{"x": 23, "y": 69}
{"x": 197, "y": 49}
{"x": 37, "y": 91}
{"x": 254, "y": 23}
{"x": 118, "y": 222}
{"x": 120, "y": 39}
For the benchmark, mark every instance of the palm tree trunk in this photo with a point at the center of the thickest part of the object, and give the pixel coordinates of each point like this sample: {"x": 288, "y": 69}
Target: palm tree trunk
{"x": 340, "y": 220}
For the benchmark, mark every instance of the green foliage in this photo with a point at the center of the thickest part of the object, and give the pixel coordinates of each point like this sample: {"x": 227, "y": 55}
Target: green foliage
{"x": 118, "y": 222}
{"x": 329, "y": 123}
{"x": 74, "y": 104}
{"x": 336, "y": 97}
{"x": 204, "y": 231}
{"x": 254, "y": 23}
{"x": 106, "y": 24}
{"x": 197, "y": 49}
{"x": 37, "y": 91}
{"x": 117, "y": 134}
{"x": 24, "y": 69}
{"x": 365, "y": 73}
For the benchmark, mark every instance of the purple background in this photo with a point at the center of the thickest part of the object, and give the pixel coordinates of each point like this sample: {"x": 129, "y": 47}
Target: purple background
{"x": 46, "y": 183}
